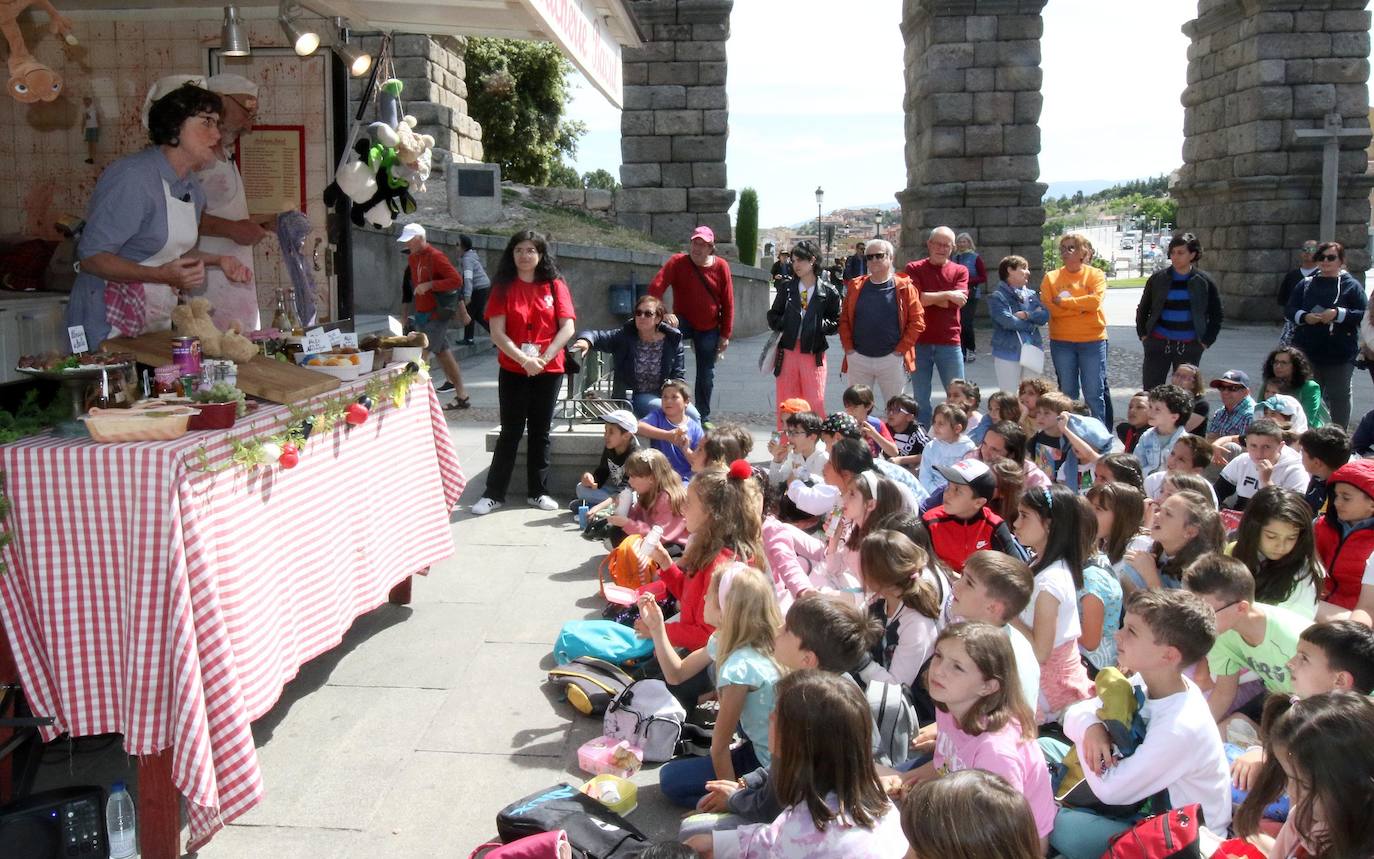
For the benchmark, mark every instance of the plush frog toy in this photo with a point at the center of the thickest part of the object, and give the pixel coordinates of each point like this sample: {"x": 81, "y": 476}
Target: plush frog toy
{"x": 1120, "y": 715}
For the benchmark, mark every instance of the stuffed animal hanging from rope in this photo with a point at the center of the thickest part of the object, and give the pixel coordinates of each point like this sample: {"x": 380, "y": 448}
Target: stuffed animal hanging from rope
{"x": 30, "y": 80}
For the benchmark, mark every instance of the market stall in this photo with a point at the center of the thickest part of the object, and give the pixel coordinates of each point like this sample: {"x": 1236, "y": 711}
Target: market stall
{"x": 167, "y": 590}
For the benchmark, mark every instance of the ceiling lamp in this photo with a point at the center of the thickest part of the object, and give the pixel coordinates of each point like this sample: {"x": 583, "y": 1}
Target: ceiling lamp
{"x": 233, "y": 42}
{"x": 303, "y": 42}
{"x": 358, "y": 61}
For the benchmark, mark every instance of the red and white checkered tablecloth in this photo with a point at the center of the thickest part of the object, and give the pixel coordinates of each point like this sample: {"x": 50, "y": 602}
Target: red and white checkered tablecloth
{"x": 151, "y": 598}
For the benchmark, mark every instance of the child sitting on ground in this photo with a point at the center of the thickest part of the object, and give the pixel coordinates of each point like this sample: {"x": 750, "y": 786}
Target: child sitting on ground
{"x": 909, "y": 438}
{"x": 1266, "y": 461}
{"x": 824, "y": 775}
{"x": 1191, "y": 455}
{"x": 947, "y": 446}
{"x": 905, "y": 596}
{"x": 995, "y": 588}
{"x": 1185, "y": 527}
{"x": 1322, "y": 750}
{"x": 1118, "y": 467}
{"x": 1028, "y": 393}
{"x": 1137, "y": 421}
{"x": 800, "y": 455}
{"x": 608, "y": 479}
{"x": 721, "y": 445}
{"x": 965, "y": 523}
{"x": 1099, "y": 600}
{"x": 858, "y": 404}
{"x": 1051, "y": 526}
{"x": 1170, "y": 407}
{"x": 982, "y": 722}
{"x": 659, "y": 498}
{"x": 1345, "y": 537}
{"x": 1323, "y": 450}
{"x": 1002, "y": 406}
{"x": 966, "y": 395}
{"x": 1066, "y": 443}
{"x": 671, "y": 430}
{"x": 1181, "y": 755}
{"x": 1120, "y": 510}
{"x": 1251, "y": 636}
{"x": 970, "y": 814}
{"x": 1274, "y": 541}
{"x": 740, "y": 604}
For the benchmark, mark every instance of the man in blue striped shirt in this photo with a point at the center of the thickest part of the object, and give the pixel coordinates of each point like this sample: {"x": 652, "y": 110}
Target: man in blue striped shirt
{"x": 1179, "y": 314}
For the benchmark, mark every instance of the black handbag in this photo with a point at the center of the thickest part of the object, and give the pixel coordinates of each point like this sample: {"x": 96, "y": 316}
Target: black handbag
{"x": 592, "y": 828}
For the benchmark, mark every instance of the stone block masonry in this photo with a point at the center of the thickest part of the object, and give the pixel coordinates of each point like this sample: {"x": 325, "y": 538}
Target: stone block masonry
{"x": 972, "y": 125}
{"x": 1258, "y": 70}
{"x": 675, "y": 124}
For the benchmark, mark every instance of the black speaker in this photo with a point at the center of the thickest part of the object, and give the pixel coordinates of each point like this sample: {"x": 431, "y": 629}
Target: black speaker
{"x": 55, "y": 824}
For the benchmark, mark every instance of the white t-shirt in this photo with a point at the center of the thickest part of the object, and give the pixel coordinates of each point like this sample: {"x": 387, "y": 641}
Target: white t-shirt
{"x": 1154, "y": 484}
{"x": 1288, "y": 473}
{"x": 1027, "y": 666}
{"x": 1057, "y": 581}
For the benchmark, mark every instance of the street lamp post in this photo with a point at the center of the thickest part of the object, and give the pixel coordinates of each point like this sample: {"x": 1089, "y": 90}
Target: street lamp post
{"x": 820, "y": 198}
{"x": 878, "y": 225}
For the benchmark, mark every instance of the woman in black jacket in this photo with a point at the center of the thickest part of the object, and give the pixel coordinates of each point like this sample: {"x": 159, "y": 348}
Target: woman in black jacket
{"x": 806, "y": 310}
{"x": 645, "y": 352}
{"x": 1326, "y": 310}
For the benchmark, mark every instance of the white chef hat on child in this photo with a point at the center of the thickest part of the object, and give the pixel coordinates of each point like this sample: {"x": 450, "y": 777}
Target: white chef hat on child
{"x": 166, "y": 85}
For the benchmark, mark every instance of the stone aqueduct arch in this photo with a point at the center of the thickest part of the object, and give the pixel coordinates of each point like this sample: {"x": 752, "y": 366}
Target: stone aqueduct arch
{"x": 1258, "y": 70}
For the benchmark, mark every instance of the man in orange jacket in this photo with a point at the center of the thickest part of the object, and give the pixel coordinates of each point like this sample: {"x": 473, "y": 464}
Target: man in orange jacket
{"x": 880, "y": 322}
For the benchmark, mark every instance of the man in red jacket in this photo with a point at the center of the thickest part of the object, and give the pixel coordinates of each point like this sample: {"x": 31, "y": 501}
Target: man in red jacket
{"x": 943, "y": 285}
{"x": 703, "y": 307}
{"x": 431, "y": 272}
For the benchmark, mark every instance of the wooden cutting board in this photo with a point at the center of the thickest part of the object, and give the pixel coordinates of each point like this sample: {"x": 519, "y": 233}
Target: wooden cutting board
{"x": 263, "y": 377}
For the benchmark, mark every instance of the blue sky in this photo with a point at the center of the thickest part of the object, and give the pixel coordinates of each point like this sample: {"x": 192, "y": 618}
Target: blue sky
{"x": 816, "y": 99}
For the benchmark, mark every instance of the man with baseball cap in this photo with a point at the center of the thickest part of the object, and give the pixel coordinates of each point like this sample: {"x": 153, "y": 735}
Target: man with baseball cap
{"x": 225, "y": 227}
{"x": 703, "y": 307}
{"x": 964, "y": 523}
{"x": 1238, "y": 407}
{"x": 431, "y": 272}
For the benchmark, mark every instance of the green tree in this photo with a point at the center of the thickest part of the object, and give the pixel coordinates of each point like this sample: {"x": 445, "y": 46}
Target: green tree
{"x": 747, "y": 226}
{"x": 517, "y": 90}
{"x": 599, "y": 179}
{"x": 562, "y": 176}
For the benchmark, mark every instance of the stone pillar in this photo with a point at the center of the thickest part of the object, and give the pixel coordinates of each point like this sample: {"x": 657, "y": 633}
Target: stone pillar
{"x": 436, "y": 92}
{"x": 972, "y": 125}
{"x": 1258, "y": 70}
{"x": 675, "y": 122}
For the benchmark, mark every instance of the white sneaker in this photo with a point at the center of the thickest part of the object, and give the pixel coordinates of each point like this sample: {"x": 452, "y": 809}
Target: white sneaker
{"x": 484, "y": 506}
{"x": 543, "y": 502}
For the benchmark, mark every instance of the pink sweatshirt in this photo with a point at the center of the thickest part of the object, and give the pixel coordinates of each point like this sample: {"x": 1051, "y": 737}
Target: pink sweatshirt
{"x": 791, "y": 554}
{"x": 642, "y": 522}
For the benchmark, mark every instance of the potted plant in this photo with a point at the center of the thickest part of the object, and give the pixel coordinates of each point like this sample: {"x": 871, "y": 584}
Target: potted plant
{"x": 219, "y": 407}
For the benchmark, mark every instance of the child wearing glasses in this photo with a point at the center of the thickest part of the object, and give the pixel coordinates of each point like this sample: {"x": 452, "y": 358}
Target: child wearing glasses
{"x": 799, "y": 454}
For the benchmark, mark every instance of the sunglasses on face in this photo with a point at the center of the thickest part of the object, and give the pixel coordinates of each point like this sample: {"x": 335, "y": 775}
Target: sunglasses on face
{"x": 1327, "y": 258}
{"x": 647, "y": 314}
{"x": 871, "y": 257}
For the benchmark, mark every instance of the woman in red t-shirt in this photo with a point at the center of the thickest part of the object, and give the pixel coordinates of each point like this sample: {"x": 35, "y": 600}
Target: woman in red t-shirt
{"x": 531, "y": 316}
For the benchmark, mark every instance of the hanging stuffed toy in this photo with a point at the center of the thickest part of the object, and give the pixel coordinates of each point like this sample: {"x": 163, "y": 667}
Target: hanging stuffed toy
{"x": 374, "y": 178}
{"x": 30, "y": 80}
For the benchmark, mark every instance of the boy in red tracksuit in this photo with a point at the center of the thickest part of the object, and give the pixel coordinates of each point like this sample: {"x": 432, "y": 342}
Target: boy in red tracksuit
{"x": 964, "y": 524}
{"x": 1345, "y": 535}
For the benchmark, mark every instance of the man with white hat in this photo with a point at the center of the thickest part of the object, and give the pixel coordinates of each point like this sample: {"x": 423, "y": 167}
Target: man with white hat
{"x": 433, "y": 273}
{"x": 226, "y": 228}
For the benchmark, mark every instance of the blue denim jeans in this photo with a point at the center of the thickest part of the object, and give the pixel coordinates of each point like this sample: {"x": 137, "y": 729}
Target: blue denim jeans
{"x": 1082, "y": 371}
{"x": 704, "y": 346}
{"x": 948, "y": 360}
{"x": 683, "y": 780}
{"x": 1080, "y": 834}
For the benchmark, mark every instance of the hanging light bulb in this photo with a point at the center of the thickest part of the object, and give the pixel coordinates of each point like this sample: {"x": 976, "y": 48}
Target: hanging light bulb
{"x": 357, "y": 60}
{"x": 303, "y": 42}
{"x": 233, "y": 41}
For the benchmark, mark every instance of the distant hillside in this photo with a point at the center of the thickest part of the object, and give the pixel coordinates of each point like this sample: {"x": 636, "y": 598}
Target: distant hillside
{"x": 1087, "y": 186}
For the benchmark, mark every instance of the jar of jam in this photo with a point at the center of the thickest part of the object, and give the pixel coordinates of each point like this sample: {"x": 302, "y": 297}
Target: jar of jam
{"x": 165, "y": 380}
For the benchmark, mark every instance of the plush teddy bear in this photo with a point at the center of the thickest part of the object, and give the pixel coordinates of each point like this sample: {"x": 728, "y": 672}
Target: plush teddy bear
{"x": 193, "y": 320}
{"x": 414, "y": 154}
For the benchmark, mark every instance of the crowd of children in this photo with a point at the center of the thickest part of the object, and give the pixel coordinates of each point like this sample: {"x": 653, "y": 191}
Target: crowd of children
{"x": 1099, "y": 623}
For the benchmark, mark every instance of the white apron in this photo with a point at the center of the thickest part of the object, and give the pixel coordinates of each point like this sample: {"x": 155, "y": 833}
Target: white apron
{"x": 159, "y": 298}
{"x": 224, "y": 198}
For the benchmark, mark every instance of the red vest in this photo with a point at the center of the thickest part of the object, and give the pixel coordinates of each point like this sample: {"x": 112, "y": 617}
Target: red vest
{"x": 954, "y": 540}
{"x": 1344, "y": 559}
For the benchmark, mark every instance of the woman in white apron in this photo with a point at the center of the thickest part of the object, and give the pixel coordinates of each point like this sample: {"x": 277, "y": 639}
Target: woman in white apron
{"x": 137, "y": 251}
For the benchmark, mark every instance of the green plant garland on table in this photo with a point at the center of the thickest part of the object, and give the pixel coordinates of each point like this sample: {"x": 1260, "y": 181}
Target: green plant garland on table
{"x": 323, "y": 418}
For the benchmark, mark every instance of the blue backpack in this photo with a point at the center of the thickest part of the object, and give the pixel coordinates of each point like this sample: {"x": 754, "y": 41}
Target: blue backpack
{"x": 604, "y": 639}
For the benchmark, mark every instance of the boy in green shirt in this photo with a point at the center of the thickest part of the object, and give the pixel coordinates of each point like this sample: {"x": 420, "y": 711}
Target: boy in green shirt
{"x": 1251, "y": 636}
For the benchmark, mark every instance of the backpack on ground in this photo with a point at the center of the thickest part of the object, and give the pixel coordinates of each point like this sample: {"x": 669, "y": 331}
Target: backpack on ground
{"x": 590, "y": 683}
{"x": 647, "y": 715}
{"x": 545, "y": 845}
{"x": 603, "y": 639}
{"x": 593, "y": 829}
{"x": 1171, "y": 835}
{"x": 895, "y": 720}
{"x": 622, "y": 566}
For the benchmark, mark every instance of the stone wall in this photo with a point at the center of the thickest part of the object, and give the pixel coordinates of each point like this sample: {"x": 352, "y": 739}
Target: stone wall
{"x": 436, "y": 92}
{"x": 972, "y": 125}
{"x": 1258, "y": 70}
{"x": 589, "y": 271}
{"x": 675, "y": 122}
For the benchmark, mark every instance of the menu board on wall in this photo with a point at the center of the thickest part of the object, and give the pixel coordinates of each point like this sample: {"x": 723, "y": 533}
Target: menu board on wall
{"x": 272, "y": 161}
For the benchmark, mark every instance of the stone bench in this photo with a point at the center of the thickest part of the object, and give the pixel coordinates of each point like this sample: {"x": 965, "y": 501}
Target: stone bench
{"x": 571, "y": 453}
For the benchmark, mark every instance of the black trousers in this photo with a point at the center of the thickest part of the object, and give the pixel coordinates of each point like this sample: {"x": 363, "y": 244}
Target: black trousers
{"x": 1163, "y": 356}
{"x": 527, "y": 404}
{"x": 477, "y": 309}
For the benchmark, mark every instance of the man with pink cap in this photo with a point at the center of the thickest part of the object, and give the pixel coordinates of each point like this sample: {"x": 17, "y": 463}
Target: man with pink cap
{"x": 703, "y": 306}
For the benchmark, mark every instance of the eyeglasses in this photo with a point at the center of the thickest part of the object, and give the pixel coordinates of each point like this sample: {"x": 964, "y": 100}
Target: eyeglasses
{"x": 872, "y": 257}
{"x": 647, "y": 314}
{"x": 1310, "y": 249}
{"x": 1230, "y": 387}
{"x": 796, "y": 433}
{"x": 1327, "y": 258}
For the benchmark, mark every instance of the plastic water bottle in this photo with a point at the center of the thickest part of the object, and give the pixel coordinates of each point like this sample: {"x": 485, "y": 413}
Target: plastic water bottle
{"x": 119, "y": 823}
{"x": 582, "y": 515}
{"x": 622, "y": 504}
{"x": 648, "y": 546}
